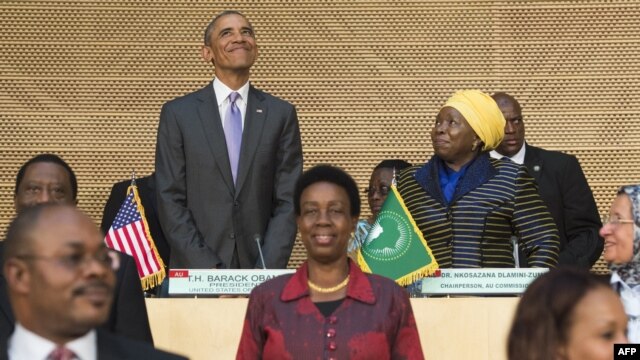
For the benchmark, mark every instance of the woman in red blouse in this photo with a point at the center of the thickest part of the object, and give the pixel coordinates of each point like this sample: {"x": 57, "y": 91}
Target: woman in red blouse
{"x": 328, "y": 309}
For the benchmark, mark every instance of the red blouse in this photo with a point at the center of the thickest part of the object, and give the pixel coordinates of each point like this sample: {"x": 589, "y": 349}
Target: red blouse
{"x": 375, "y": 321}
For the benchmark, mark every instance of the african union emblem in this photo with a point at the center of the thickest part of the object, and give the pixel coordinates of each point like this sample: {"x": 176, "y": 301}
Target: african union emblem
{"x": 396, "y": 227}
{"x": 395, "y": 247}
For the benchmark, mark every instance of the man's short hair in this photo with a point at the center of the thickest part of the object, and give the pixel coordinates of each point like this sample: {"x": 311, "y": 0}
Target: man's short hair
{"x": 212, "y": 24}
{"x": 392, "y": 164}
{"x": 333, "y": 175}
{"x": 17, "y": 238}
{"x": 48, "y": 158}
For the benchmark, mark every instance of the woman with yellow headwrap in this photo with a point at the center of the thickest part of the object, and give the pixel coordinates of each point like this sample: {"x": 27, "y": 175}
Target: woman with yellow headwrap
{"x": 468, "y": 205}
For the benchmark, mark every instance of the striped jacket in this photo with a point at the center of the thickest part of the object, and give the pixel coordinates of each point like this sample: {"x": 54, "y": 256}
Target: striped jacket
{"x": 494, "y": 200}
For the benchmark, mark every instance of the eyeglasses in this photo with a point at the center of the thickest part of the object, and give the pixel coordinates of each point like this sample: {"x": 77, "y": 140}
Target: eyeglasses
{"x": 76, "y": 262}
{"x": 616, "y": 221}
{"x": 382, "y": 190}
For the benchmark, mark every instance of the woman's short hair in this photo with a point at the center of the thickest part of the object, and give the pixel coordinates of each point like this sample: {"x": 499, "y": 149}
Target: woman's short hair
{"x": 544, "y": 315}
{"x": 330, "y": 174}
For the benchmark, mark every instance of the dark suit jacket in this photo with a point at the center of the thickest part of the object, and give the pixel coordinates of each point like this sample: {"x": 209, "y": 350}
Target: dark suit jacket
{"x": 6, "y": 314}
{"x": 493, "y": 200}
{"x": 564, "y": 189}
{"x": 147, "y": 191}
{"x": 203, "y": 215}
{"x": 112, "y": 347}
{"x": 128, "y": 316}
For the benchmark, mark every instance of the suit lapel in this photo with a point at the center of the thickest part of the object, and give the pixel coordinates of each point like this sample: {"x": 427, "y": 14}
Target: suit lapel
{"x": 5, "y": 307}
{"x": 427, "y": 177}
{"x": 213, "y": 131}
{"x": 253, "y": 124}
{"x": 533, "y": 162}
{"x": 108, "y": 347}
{"x": 4, "y": 354}
{"x": 478, "y": 173}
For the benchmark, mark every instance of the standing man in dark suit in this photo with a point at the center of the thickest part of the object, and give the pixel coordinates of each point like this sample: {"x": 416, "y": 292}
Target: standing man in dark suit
{"x": 61, "y": 281}
{"x": 46, "y": 178}
{"x": 562, "y": 185}
{"x": 227, "y": 159}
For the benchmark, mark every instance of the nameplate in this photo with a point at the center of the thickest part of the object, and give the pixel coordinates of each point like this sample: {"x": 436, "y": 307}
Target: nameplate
{"x": 203, "y": 282}
{"x": 487, "y": 281}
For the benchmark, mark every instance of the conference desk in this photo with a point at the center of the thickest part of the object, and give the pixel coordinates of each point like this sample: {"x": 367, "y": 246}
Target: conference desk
{"x": 450, "y": 328}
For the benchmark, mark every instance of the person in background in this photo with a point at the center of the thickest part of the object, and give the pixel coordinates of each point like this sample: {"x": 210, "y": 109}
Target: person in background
{"x": 567, "y": 314}
{"x": 379, "y": 184}
{"x": 46, "y": 178}
{"x": 61, "y": 280}
{"x": 227, "y": 159}
{"x": 621, "y": 233}
{"x": 562, "y": 186}
{"x": 329, "y": 308}
{"x": 468, "y": 205}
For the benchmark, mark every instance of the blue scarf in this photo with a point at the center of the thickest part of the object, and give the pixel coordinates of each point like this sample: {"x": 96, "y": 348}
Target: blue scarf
{"x": 449, "y": 179}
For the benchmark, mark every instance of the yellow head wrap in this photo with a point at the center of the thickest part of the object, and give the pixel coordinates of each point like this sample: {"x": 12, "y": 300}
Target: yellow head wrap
{"x": 482, "y": 113}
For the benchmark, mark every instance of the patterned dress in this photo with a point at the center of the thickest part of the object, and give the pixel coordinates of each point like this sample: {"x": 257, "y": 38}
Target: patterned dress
{"x": 374, "y": 321}
{"x": 494, "y": 201}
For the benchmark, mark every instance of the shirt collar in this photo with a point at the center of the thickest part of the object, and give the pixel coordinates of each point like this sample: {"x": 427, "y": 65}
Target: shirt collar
{"x": 222, "y": 91}
{"x": 25, "y": 344}
{"x": 618, "y": 283}
{"x": 359, "y": 287}
{"x": 518, "y": 158}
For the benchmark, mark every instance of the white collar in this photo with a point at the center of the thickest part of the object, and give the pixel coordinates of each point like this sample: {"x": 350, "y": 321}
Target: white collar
{"x": 616, "y": 279}
{"x": 25, "y": 344}
{"x": 518, "y": 158}
{"x": 222, "y": 91}
{"x": 629, "y": 296}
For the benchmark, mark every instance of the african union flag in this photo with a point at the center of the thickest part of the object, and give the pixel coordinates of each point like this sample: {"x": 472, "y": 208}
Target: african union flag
{"x": 395, "y": 247}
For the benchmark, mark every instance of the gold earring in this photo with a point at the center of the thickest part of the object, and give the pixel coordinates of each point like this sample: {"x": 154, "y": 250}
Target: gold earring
{"x": 474, "y": 146}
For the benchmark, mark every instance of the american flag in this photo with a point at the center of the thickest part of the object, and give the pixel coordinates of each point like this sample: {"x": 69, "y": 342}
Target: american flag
{"x": 129, "y": 234}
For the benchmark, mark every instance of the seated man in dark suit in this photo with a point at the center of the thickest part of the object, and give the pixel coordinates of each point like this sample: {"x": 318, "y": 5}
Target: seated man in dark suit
{"x": 60, "y": 279}
{"x": 47, "y": 178}
{"x": 562, "y": 186}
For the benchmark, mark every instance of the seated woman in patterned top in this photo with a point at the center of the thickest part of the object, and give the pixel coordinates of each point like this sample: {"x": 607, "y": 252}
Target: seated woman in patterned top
{"x": 377, "y": 191}
{"x": 328, "y": 308}
{"x": 467, "y": 204}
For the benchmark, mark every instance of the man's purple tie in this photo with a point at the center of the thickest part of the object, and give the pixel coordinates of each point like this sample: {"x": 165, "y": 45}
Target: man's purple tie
{"x": 233, "y": 133}
{"x": 61, "y": 353}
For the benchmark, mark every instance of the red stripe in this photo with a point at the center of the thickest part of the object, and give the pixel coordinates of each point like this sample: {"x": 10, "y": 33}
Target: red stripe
{"x": 108, "y": 241}
{"x": 115, "y": 239}
{"x": 145, "y": 246}
{"x": 139, "y": 238}
{"x": 129, "y": 241}
{"x": 121, "y": 242}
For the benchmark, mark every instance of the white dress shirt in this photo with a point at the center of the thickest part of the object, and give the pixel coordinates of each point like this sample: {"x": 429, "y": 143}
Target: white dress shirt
{"x": 630, "y": 297}
{"x": 518, "y": 158}
{"x": 222, "y": 92}
{"x": 26, "y": 345}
